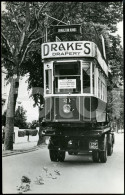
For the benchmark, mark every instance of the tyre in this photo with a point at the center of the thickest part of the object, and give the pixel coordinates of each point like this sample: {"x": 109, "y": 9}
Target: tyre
{"x": 109, "y": 149}
{"x": 95, "y": 156}
{"x": 110, "y": 141}
{"x": 53, "y": 155}
{"x": 113, "y": 138}
{"x": 61, "y": 156}
{"x": 103, "y": 154}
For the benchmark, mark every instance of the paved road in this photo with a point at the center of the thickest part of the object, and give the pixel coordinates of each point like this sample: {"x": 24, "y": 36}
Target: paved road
{"x": 78, "y": 173}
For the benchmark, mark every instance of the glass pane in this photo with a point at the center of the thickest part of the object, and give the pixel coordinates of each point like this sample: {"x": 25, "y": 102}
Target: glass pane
{"x": 67, "y": 69}
{"x": 48, "y": 81}
{"x": 99, "y": 88}
{"x": 93, "y": 79}
{"x": 86, "y": 78}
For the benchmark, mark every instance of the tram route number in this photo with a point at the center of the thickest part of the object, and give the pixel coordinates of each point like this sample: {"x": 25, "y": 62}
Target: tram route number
{"x": 66, "y": 100}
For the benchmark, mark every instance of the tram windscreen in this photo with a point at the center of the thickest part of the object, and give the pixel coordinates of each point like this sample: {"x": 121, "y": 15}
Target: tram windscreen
{"x": 67, "y": 78}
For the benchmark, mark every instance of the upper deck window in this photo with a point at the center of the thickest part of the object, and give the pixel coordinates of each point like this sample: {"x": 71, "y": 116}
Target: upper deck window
{"x": 67, "y": 78}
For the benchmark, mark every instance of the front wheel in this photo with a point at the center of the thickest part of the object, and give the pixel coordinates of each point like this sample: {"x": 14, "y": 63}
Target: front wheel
{"x": 95, "y": 156}
{"x": 61, "y": 156}
{"x": 103, "y": 154}
{"x": 110, "y": 149}
{"x": 53, "y": 155}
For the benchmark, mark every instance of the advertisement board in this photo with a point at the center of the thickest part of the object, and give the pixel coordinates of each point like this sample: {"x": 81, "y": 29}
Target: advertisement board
{"x": 68, "y": 49}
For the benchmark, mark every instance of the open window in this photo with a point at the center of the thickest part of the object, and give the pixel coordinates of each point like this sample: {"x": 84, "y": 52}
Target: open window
{"x": 67, "y": 77}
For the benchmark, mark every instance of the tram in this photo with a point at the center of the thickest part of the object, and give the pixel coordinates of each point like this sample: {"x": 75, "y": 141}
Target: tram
{"x": 75, "y": 93}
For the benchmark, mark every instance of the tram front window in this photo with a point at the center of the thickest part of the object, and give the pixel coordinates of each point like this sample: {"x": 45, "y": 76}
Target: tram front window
{"x": 86, "y": 78}
{"x": 67, "y": 78}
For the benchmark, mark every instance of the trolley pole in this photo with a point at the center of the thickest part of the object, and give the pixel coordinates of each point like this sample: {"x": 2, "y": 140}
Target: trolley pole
{"x": 46, "y": 32}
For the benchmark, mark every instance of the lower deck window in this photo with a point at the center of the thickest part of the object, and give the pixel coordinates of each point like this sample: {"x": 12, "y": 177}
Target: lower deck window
{"x": 48, "y": 83}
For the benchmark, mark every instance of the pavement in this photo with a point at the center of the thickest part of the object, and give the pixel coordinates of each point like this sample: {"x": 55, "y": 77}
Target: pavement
{"x": 20, "y": 148}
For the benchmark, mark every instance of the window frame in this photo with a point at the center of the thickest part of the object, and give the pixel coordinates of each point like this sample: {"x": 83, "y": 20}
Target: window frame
{"x": 59, "y": 76}
{"x": 82, "y": 66}
{"x": 48, "y": 66}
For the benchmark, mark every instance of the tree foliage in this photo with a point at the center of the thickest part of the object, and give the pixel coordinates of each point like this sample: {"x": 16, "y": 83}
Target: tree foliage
{"x": 20, "y": 118}
{"x": 34, "y": 124}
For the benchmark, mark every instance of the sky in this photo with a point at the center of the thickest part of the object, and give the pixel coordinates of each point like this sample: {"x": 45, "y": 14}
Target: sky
{"x": 23, "y": 97}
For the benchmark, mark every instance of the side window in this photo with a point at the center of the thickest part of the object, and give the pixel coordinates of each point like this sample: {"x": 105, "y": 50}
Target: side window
{"x": 48, "y": 83}
{"x": 106, "y": 92}
{"x": 99, "y": 88}
{"x": 86, "y": 77}
{"x": 93, "y": 79}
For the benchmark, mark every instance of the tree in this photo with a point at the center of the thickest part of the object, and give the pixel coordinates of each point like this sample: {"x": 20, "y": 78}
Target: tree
{"x": 4, "y": 119}
{"x": 115, "y": 107}
{"x": 20, "y": 31}
{"x": 20, "y": 118}
{"x": 102, "y": 16}
{"x": 34, "y": 124}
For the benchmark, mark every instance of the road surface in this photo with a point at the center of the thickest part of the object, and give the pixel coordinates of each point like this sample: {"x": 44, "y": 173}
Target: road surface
{"x": 78, "y": 173}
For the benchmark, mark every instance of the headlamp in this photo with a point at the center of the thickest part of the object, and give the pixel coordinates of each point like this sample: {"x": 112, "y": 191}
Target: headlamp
{"x": 66, "y": 108}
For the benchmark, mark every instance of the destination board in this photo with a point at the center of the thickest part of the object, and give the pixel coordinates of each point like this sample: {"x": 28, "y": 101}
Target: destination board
{"x": 60, "y": 29}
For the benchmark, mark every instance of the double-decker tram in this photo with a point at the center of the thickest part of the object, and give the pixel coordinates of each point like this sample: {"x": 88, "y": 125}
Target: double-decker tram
{"x": 75, "y": 93}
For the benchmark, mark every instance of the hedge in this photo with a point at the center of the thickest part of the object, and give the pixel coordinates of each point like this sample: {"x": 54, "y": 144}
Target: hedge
{"x": 21, "y": 134}
{"x": 32, "y": 132}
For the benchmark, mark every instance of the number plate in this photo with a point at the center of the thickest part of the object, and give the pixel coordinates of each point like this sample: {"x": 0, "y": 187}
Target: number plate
{"x": 93, "y": 145}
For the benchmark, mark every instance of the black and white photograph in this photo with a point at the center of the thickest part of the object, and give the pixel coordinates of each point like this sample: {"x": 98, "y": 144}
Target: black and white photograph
{"x": 62, "y": 88}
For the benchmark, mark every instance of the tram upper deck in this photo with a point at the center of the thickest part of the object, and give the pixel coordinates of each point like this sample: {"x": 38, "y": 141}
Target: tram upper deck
{"x": 74, "y": 68}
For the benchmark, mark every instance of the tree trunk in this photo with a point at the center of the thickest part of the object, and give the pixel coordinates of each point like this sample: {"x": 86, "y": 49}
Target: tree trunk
{"x": 41, "y": 138}
{"x": 9, "y": 129}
